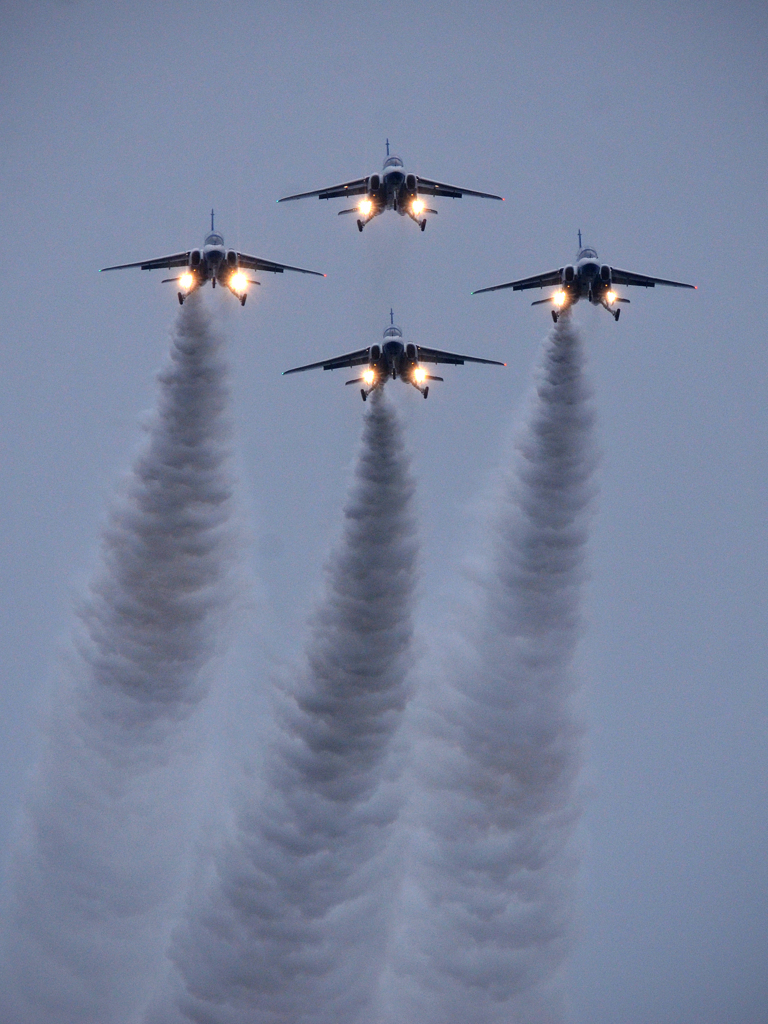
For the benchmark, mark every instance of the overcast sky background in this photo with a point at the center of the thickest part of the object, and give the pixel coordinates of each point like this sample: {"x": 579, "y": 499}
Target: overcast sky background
{"x": 646, "y": 126}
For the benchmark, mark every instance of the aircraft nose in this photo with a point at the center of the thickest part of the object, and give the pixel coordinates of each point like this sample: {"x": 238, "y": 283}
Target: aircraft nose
{"x": 395, "y": 178}
{"x": 393, "y": 348}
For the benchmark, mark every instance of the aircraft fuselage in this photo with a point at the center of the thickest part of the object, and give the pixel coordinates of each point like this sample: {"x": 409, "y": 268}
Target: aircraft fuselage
{"x": 587, "y": 279}
{"x": 393, "y": 359}
{"x": 393, "y": 189}
{"x": 213, "y": 263}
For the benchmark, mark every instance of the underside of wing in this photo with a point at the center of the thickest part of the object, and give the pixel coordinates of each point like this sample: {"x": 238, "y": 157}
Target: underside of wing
{"x": 178, "y": 259}
{"x": 337, "y": 363}
{"x": 346, "y": 188}
{"x": 539, "y": 281}
{"x": 254, "y": 263}
{"x": 434, "y": 355}
{"x": 427, "y": 187}
{"x": 627, "y": 277}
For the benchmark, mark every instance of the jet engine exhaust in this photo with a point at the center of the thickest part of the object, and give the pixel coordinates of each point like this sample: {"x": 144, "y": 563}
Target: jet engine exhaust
{"x": 293, "y": 926}
{"x": 488, "y": 899}
{"x": 100, "y": 856}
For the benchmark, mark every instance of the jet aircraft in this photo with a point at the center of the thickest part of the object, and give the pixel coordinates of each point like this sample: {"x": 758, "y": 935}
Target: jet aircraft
{"x": 392, "y": 189}
{"x": 586, "y": 279}
{"x": 393, "y": 358}
{"x": 213, "y": 263}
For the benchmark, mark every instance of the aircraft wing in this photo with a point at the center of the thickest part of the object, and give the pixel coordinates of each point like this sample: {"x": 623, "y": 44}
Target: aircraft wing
{"x": 338, "y": 363}
{"x": 178, "y": 259}
{"x": 627, "y": 277}
{"x": 357, "y": 187}
{"x": 434, "y": 355}
{"x": 254, "y": 263}
{"x": 427, "y": 187}
{"x": 540, "y": 281}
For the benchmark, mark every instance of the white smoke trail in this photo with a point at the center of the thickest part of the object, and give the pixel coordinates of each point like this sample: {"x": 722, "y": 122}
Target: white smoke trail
{"x": 98, "y": 860}
{"x": 293, "y": 925}
{"x": 487, "y": 905}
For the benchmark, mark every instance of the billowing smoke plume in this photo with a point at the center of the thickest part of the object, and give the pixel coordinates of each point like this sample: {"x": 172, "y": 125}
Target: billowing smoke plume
{"x": 488, "y": 901}
{"x": 293, "y": 924}
{"x": 101, "y": 846}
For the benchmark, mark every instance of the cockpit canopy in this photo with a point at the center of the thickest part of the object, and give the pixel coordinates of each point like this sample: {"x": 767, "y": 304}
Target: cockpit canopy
{"x": 393, "y": 332}
{"x": 214, "y": 239}
{"x": 393, "y": 161}
{"x": 587, "y": 254}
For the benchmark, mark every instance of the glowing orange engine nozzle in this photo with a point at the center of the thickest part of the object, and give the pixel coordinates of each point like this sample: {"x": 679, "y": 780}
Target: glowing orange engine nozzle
{"x": 369, "y": 376}
{"x": 187, "y": 281}
{"x": 419, "y": 375}
{"x": 365, "y": 207}
{"x": 417, "y": 206}
{"x": 238, "y": 282}
{"x": 560, "y": 298}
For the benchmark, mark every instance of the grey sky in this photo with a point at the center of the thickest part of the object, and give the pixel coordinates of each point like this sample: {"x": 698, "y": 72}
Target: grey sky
{"x": 122, "y": 124}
